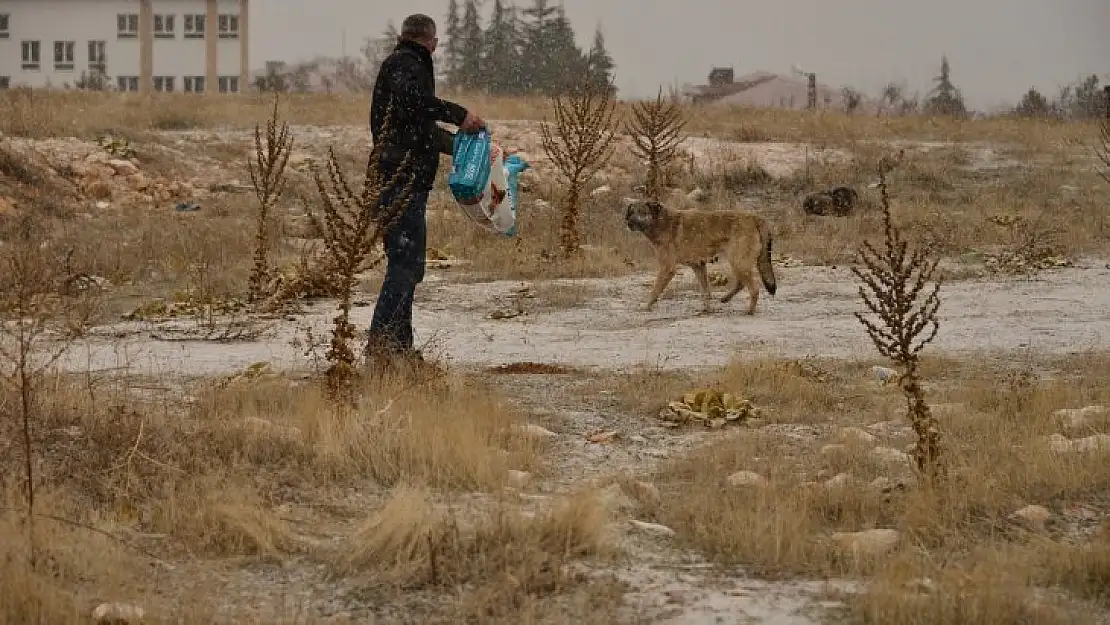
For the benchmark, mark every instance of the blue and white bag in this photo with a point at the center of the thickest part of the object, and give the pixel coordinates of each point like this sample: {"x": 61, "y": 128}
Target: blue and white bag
{"x": 484, "y": 182}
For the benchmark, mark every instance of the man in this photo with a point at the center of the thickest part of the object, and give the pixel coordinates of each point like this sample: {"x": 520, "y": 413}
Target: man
{"x": 406, "y": 79}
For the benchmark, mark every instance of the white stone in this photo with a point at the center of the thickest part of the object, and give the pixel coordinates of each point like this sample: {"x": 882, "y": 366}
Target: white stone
{"x": 1033, "y": 515}
{"x": 855, "y": 435}
{"x": 747, "y": 478}
{"x": 118, "y": 614}
{"x": 652, "y": 528}
{"x": 868, "y": 543}
{"x": 886, "y": 454}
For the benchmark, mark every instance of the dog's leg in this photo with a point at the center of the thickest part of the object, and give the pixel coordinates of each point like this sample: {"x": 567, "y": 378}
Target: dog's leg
{"x": 735, "y": 282}
{"x": 667, "y": 268}
{"x": 753, "y": 289}
{"x": 703, "y": 281}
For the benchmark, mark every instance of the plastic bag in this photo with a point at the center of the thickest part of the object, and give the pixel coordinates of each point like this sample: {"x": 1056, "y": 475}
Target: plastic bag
{"x": 486, "y": 188}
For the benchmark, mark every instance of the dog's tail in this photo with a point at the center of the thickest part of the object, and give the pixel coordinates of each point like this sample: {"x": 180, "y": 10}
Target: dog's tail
{"x": 766, "y": 270}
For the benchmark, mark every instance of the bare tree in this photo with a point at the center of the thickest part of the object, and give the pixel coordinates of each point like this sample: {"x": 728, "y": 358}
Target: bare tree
{"x": 579, "y": 143}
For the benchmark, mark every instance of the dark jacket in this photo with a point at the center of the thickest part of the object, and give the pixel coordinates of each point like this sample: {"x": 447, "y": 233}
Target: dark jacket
{"x": 407, "y": 78}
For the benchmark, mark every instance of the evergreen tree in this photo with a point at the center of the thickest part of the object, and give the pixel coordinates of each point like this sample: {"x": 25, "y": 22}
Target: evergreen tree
{"x": 501, "y": 56}
{"x": 452, "y": 40}
{"x": 1033, "y": 104}
{"x": 568, "y": 65}
{"x": 946, "y": 98}
{"x": 536, "y": 58}
{"x": 468, "y": 72}
{"x": 600, "y": 67}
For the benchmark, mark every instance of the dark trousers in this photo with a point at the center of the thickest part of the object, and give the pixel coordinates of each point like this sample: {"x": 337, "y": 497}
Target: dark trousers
{"x": 405, "y": 247}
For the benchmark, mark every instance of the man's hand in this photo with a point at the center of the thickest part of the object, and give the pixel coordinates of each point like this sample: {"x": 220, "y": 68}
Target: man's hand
{"x": 472, "y": 123}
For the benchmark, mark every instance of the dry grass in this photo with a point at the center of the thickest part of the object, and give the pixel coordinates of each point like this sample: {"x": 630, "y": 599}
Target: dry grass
{"x": 983, "y": 565}
{"x": 250, "y": 467}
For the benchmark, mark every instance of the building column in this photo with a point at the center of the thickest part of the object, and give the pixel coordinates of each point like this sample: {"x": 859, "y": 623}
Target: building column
{"x": 212, "y": 47}
{"x": 244, "y": 46}
{"x": 146, "y": 47}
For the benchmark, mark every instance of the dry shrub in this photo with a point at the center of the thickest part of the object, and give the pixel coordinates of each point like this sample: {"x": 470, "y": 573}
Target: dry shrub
{"x": 267, "y": 172}
{"x": 896, "y": 289}
{"x": 579, "y": 144}
{"x": 656, "y": 127}
{"x": 982, "y": 564}
{"x": 502, "y": 557}
{"x": 998, "y": 589}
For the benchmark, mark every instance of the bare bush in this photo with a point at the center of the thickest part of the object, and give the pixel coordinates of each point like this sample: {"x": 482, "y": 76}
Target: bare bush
{"x": 656, "y": 128}
{"x": 896, "y": 289}
{"x": 353, "y": 224}
{"x": 579, "y": 143}
{"x": 267, "y": 171}
{"x": 43, "y": 307}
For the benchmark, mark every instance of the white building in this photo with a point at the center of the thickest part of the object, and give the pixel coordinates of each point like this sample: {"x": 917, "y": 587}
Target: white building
{"x": 197, "y": 46}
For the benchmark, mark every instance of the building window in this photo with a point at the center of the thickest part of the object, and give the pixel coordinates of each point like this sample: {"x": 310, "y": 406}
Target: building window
{"x": 5, "y": 82}
{"x": 194, "y": 26}
{"x": 164, "y": 83}
{"x": 127, "y": 83}
{"x": 63, "y": 55}
{"x": 32, "y": 54}
{"x": 164, "y": 26}
{"x": 98, "y": 55}
{"x": 5, "y": 22}
{"x": 229, "y": 84}
{"x": 127, "y": 25}
{"x": 194, "y": 84}
{"x": 229, "y": 26}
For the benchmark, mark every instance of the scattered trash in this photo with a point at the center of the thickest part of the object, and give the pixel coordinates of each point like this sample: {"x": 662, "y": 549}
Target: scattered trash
{"x": 652, "y": 528}
{"x": 603, "y": 437}
{"x": 535, "y": 368}
{"x": 711, "y": 408}
{"x": 187, "y": 207}
{"x": 886, "y": 375}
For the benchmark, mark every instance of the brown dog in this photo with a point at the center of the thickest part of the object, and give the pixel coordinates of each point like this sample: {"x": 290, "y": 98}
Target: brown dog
{"x": 694, "y": 237}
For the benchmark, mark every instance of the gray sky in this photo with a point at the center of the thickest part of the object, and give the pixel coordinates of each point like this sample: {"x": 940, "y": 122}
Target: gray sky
{"x": 997, "y": 48}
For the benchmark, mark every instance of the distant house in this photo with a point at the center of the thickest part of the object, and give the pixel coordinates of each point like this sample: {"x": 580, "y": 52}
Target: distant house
{"x": 197, "y": 46}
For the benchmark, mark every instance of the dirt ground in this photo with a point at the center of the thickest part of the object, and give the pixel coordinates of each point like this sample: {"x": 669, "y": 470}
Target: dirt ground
{"x": 1057, "y": 311}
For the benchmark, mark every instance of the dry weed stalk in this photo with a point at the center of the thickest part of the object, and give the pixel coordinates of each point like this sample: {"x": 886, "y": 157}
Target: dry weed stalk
{"x": 267, "y": 171}
{"x": 656, "y": 129}
{"x": 580, "y": 144}
{"x": 906, "y": 308}
{"x": 1102, "y": 148}
{"x": 353, "y": 224}
{"x": 43, "y": 309}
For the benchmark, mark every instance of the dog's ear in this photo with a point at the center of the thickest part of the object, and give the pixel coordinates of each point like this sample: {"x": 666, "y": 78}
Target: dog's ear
{"x": 655, "y": 207}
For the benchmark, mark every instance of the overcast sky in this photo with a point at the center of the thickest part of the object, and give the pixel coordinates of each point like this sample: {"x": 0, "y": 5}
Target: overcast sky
{"x": 997, "y": 48}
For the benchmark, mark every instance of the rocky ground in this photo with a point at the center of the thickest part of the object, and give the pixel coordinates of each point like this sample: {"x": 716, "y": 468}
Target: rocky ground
{"x": 591, "y": 326}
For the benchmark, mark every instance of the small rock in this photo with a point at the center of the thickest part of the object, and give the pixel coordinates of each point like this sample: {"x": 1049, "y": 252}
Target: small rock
{"x": 886, "y": 454}
{"x": 1077, "y": 418}
{"x": 652, "y": 528}
{"x": 532, "y": 430}
{"x": 868, "y": 543}
{"x": 118, "y": 614}
{"x": 885, "y": 485}
{"x": 122, "y": 167}
{"x": 698, "y": 195}
{"x": 840, "y": 480}
{"x": 885, "y": 374}
{"x": 1034, "y": 516}
{"x": 646, "y": 492}
{"x": 614, "y": 499}
{"x": 519, "y": 479}
{"x": 833, "y": 449}
{"x": 854, "y": 435}
{"x": 603, "y": 437}
{"x": 600, "y": 191}
{"x": 922, "y": 585}
{"x": 747, "y": 478}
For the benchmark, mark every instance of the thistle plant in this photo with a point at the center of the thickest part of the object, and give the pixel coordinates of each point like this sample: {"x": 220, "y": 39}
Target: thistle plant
{"x": 267, "y": 172}
{"x": 901, "y": 289}
{"x": 656, "y": 128}
{"x": 579, "y": 142}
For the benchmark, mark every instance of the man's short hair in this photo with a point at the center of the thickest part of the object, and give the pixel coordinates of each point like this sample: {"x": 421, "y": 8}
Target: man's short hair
{"x": 418, "y": 26}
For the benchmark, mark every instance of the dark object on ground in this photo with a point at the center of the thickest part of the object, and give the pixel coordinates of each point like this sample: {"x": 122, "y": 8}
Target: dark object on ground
{"x": 837, "y": 201}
